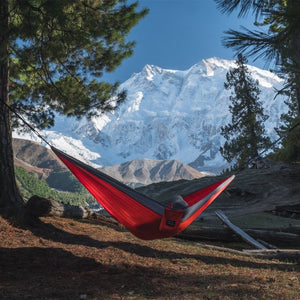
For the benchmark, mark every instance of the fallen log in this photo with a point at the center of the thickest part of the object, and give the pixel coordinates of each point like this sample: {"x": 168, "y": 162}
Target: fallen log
{"x": 267, "y": 245}
{"x": 202, "y": 233}
{"x": 280, "y": 254}
{"x": 280, "y": 237}
{"x": 40, "y": 206}
{"x": 289, "y": 255}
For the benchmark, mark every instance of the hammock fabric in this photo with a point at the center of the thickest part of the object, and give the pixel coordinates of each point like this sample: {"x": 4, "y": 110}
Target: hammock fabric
{"x": 144, "y": 217}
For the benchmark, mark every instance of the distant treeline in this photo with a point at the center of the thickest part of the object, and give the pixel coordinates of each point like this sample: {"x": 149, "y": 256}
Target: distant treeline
{"x": 60, "y": 186}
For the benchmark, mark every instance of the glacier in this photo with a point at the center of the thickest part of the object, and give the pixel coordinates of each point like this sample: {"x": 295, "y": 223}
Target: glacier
{"x": 168, "y": 114}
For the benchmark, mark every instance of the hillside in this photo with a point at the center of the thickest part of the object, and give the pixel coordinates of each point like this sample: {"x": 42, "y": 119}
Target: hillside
{"x": 39, "y": 172}
{"x": 43, "y": 162}
{"x": 147, "y": 171}
{"x": 35, "y": 158}
{"x": 252, "y": 191}
{"x": 65, "y": 259}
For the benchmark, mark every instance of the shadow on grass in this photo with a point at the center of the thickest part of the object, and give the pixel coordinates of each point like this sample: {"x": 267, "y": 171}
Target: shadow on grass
{"x": 53, "y": 273}
{"x": 50, "y": 232}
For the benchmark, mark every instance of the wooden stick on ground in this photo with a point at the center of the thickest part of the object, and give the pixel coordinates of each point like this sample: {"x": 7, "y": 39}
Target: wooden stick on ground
{"x": 246, "y": 237}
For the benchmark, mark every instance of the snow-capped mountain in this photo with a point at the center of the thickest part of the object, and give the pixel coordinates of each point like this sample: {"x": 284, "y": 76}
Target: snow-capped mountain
{"x": 168, "y": 114}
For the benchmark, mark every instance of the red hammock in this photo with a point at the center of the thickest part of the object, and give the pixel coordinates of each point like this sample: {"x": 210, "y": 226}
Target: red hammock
{"x": 142, "y": 216}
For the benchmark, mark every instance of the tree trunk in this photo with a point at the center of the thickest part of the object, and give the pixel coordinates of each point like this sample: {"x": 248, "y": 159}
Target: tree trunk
{"x": 295, "y": 46}
{"x": 10, "y": 199}
{"x": 297, "y": 75}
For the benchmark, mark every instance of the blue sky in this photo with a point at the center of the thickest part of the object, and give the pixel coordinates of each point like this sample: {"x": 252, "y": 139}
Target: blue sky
{"x": 177, "y": 34}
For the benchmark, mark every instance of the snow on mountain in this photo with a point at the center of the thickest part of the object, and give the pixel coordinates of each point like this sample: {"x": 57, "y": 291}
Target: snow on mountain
{"x": 168, "y": 114}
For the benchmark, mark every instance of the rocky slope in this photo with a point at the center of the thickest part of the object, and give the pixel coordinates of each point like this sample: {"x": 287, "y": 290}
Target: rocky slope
{"x": 146, "y": 171}
{"x": 35, "y": 158}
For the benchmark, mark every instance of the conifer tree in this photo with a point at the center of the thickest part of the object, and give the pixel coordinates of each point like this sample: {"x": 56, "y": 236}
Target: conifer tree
{"x": 52, "y": 54}
{"x": 245, "y": 135}
{"x": 289, "y": 151}
{"x": 278, "y": 38}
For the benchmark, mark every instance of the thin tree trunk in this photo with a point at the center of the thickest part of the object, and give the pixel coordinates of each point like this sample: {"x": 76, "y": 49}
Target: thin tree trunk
{"x": 295, "y": 48}
{"x": 297, "y": 73}
{"x": 10, "y": 199}
{"x": 296, "y": 61}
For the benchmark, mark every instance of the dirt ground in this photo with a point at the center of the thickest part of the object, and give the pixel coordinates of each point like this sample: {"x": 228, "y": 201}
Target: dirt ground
{"x": 91, "y": 259}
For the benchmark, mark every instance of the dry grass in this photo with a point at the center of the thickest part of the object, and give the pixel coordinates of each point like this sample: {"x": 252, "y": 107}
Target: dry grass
{"x": 68, "y": 259}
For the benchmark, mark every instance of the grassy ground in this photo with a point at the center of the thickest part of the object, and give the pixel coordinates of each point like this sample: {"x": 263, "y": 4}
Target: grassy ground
{"x": 68, "y": 259}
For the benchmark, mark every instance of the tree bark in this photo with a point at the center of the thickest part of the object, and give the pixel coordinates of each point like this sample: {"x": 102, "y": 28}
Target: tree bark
{"x": 10, "y": 199}
{"x": 297, "y": 72}
{"x": 294, "y": 9}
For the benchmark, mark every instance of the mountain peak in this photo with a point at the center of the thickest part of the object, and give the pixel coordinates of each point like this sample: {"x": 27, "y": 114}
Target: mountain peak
{"x": 219, "y": 62}
{"x": 168, "y": 114}
{"x": 149, "y": 71}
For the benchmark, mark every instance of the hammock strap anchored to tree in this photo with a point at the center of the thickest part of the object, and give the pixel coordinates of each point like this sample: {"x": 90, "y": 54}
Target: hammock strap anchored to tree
{"x": 27, "y": 124}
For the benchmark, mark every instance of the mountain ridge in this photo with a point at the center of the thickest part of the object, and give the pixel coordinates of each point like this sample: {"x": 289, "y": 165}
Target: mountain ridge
{"x": 140, "y": 172}
{"x": 168, "y": 114}
{"x": 42, "y": 161}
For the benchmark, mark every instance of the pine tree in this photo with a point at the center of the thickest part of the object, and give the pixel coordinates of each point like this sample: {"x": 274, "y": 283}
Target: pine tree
{"x": 245, "y": 135}
{"x": 278, "y": 38}
{"x": 289, "y": 150}
{"x": 52, "y": 54}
